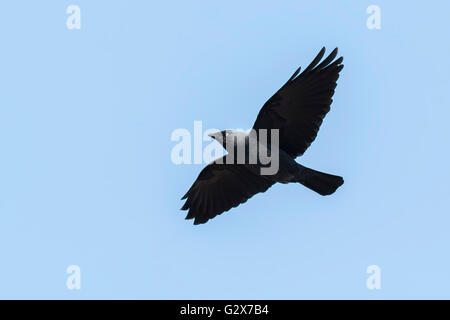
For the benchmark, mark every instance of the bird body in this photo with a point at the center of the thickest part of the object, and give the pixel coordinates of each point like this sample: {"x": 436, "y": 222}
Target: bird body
{"x": 285, "y": 127}
{"x": 242, "y": 145}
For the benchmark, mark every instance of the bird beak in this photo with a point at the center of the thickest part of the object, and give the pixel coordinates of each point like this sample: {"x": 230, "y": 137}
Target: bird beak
{"x": 215, "y": 135}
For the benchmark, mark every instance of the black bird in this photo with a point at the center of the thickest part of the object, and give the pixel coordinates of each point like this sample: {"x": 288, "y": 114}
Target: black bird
{"x": 297, "y": 111}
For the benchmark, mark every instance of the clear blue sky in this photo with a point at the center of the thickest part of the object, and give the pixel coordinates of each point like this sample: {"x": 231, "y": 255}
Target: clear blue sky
{"x": 86, "y": 177}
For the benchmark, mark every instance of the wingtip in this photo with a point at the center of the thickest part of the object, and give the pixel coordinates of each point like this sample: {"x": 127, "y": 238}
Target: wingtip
{"x": 198, "y": 222}
{"x": 294, "y": 75}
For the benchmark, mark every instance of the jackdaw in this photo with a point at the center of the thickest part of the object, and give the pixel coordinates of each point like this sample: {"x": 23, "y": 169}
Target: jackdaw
{"x": 294, "y": 113}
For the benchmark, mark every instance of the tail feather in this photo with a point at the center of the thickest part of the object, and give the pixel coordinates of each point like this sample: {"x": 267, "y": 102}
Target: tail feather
{"x": 322, "y": 183}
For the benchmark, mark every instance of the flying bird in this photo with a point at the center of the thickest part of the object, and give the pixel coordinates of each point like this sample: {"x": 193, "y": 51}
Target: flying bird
{"x": 296, "y": 111}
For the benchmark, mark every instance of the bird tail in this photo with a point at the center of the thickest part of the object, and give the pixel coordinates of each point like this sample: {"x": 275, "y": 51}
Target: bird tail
{"x": 322, "y": 183}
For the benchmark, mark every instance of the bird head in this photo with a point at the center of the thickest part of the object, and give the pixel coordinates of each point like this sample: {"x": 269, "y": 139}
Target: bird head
{"x": 220, "y": 136}
{"x": 226, "y": 137}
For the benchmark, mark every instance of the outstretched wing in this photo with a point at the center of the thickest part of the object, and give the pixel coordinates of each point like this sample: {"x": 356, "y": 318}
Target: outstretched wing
{"x": 220, "y": 187}
{"x": 298, "y": 108}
